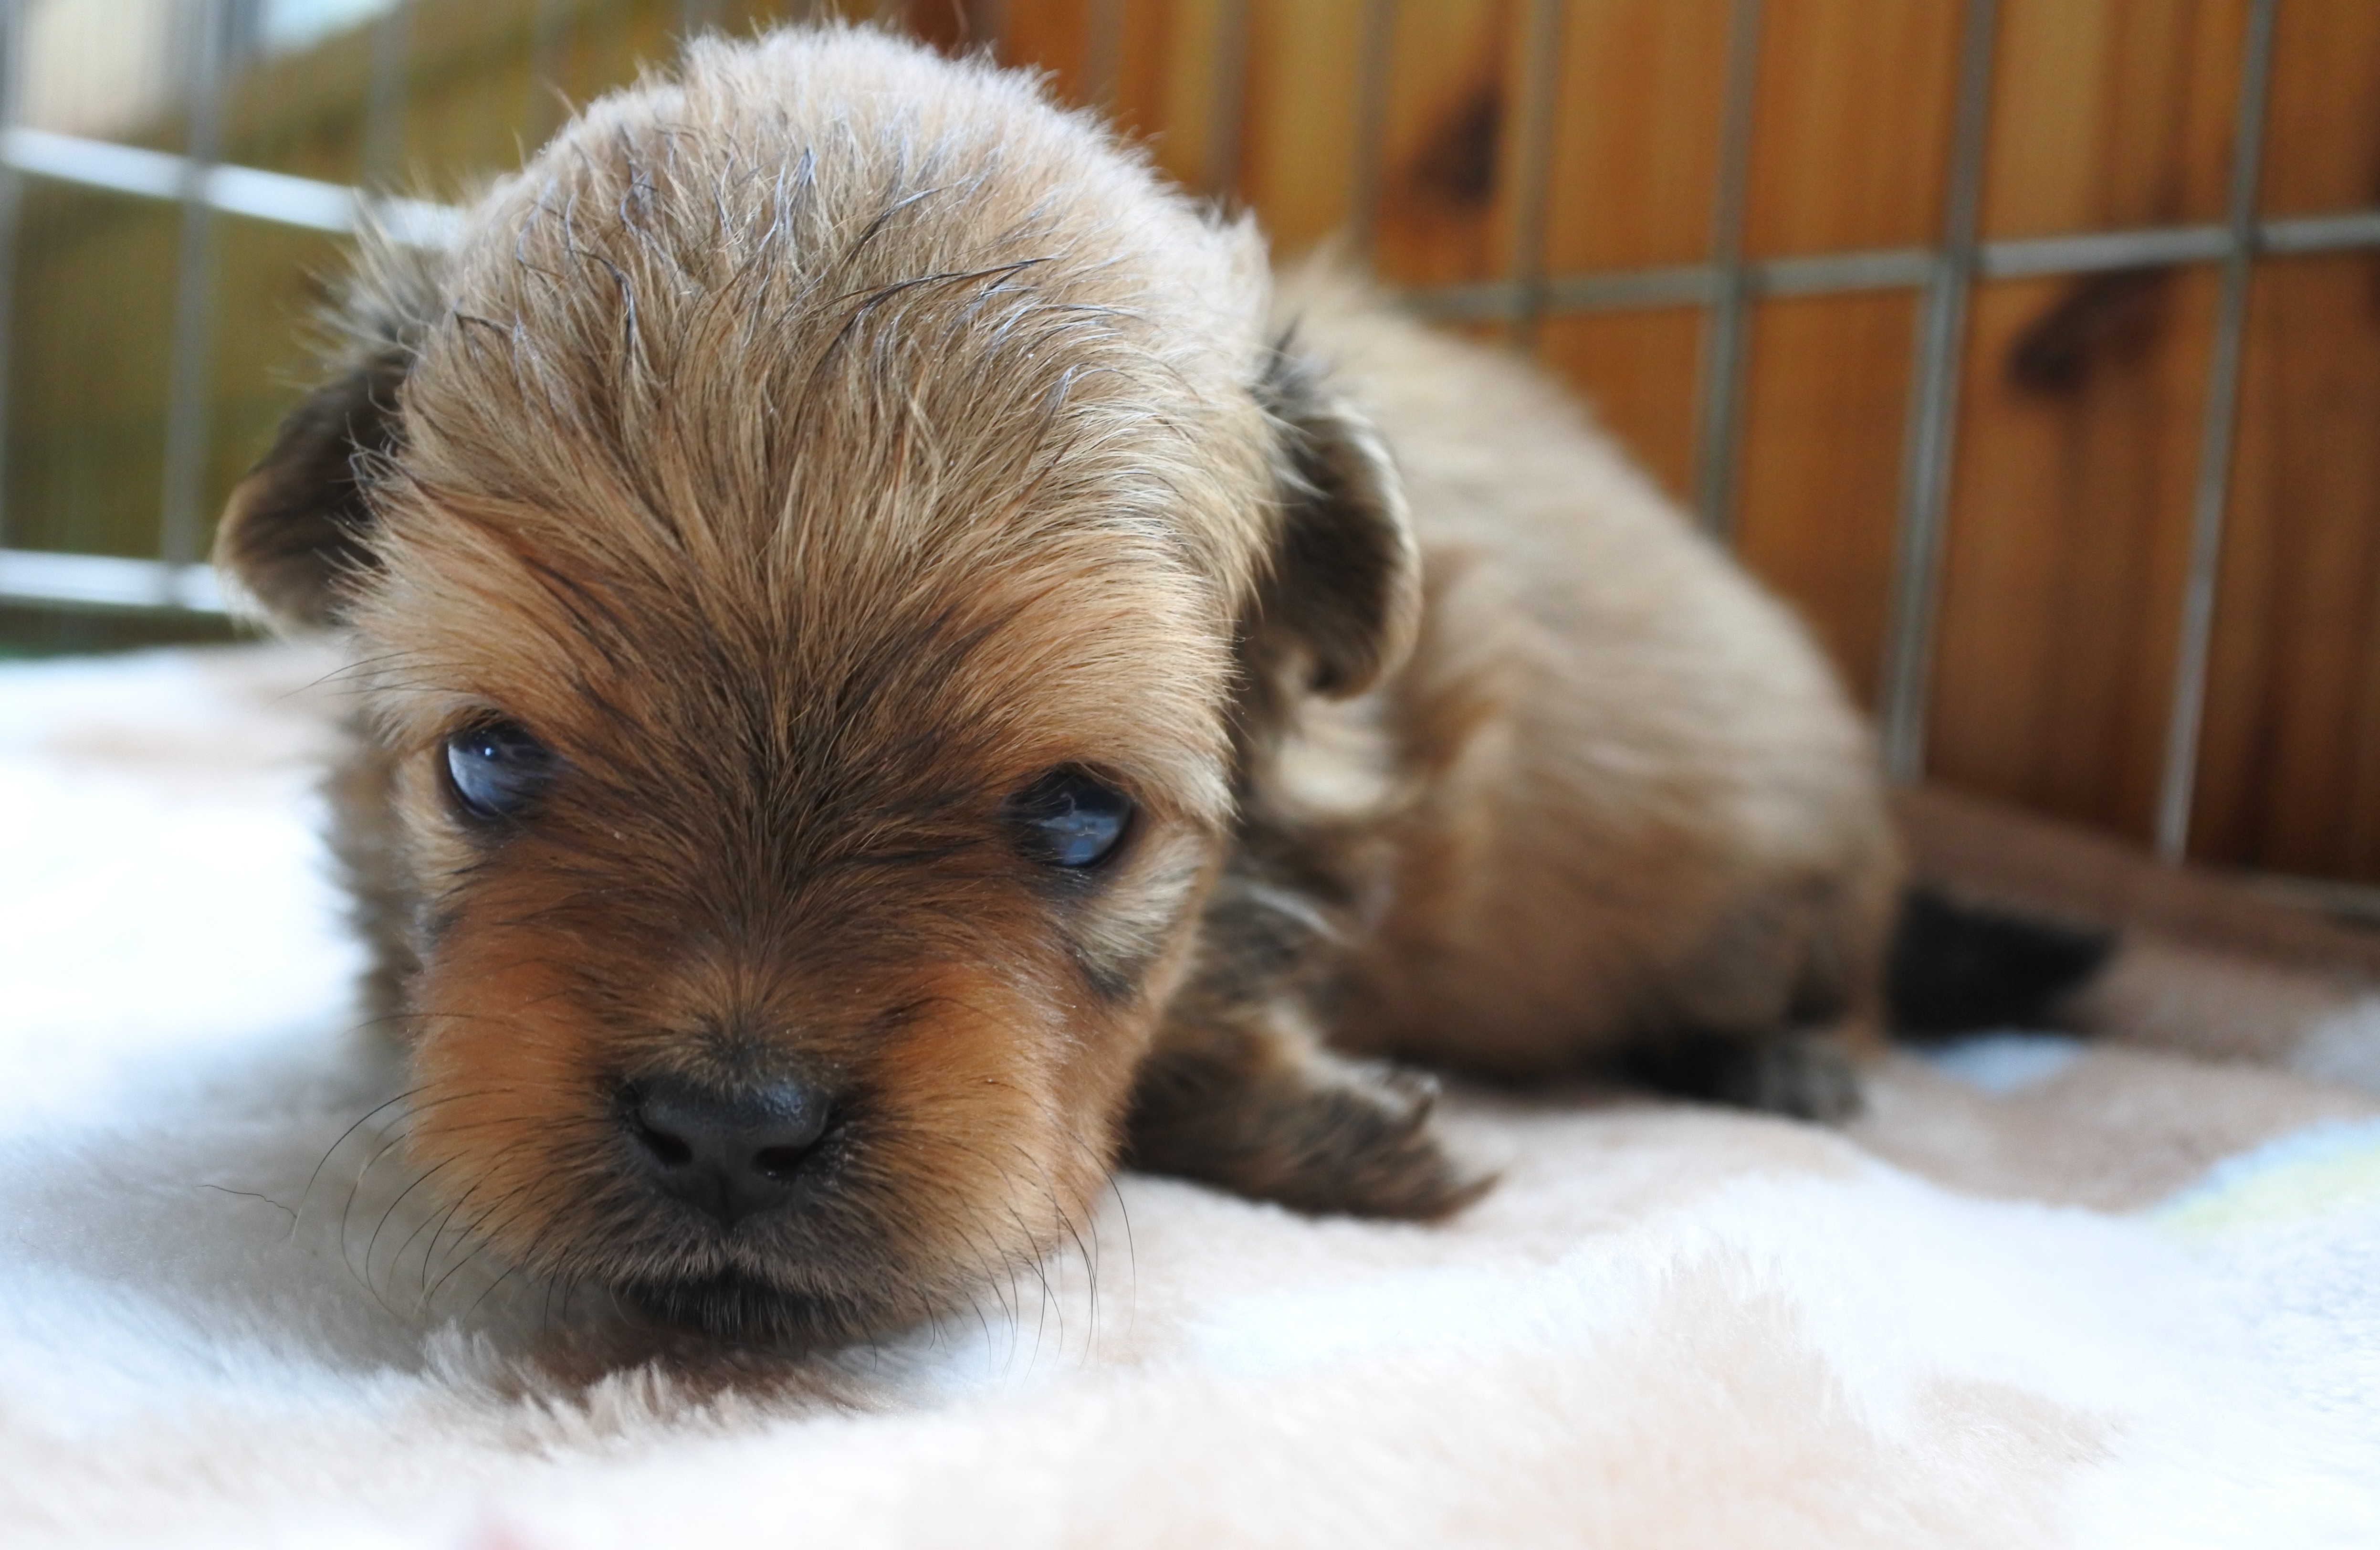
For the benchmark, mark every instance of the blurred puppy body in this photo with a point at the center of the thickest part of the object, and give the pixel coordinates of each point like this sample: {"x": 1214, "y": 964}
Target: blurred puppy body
{"x": 897, "y": 671}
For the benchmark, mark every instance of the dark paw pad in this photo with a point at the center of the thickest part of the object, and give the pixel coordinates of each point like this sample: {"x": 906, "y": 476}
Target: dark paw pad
{"x": 1802, "y": 1075}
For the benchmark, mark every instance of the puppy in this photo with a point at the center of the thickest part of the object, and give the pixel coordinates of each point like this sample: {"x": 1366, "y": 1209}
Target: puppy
{"x": 897, "y": 673}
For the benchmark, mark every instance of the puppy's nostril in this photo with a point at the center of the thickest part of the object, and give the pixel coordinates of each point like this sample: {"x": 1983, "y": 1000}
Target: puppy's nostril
{"x": 666, "y": 1149}
{"x": 729, "y": 1152}
{"x": 779, "y": 1162}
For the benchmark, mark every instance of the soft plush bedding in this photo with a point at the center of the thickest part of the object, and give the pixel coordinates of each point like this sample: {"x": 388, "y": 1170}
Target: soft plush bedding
{"x": 2042, "y": 1293}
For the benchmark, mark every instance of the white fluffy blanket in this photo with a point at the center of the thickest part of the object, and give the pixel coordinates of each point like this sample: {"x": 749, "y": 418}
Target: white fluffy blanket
{"x": 2040, "y": 1295}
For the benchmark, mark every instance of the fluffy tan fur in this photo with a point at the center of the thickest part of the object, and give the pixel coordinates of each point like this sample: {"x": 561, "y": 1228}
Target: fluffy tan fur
{"x": 817, "y": 448}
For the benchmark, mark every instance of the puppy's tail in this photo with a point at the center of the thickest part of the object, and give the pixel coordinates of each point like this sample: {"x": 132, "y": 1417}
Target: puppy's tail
{"x": 2021, "y": 921}
{"x": 1959, "y": 968}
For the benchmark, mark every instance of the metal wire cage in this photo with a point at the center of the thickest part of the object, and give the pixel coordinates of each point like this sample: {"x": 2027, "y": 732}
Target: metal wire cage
{"x": 134, "y": 100}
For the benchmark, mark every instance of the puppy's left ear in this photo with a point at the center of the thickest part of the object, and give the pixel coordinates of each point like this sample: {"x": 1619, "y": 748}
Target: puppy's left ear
{"x": 299, "y": 525}
{"x": 1345, "y": 586}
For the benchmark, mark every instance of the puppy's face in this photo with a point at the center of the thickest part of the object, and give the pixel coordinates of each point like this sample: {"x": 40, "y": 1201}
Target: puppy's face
{"x": 808, "y": 668}
{"x": 786, "y": 970}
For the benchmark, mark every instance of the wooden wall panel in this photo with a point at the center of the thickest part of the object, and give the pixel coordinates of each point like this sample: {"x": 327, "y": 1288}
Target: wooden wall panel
{"x": 1853, "y": 125}
{"x": 1448, "y": 153}
{"x": 2322, "y": 137}
{"x": 2068, "y": 541}
{"x": 2080, "y": 416}
{"x": 1300, "y": 159}
{"x": 1635, "y": 147}
{"x": 1821, "y": 477}
{"x": 2290, "y": 776}
{"x": 2110, "y": 113}
{"x": 1637, "y": 371}
{"x": 1057, "y": 36}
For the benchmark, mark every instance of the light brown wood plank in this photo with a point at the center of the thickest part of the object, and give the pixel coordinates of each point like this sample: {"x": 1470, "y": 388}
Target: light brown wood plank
{"x": 1637, "y": 372}
{"x": 2068, "y": 544}
{"x": 1450, "y": 149}
{"x": 2291, "y": 769}
{"x": 2110, "y": 113}
{"x": 1636, "y": 133}
{"x": 2323, "y": 139}
{"x": 1298, "y": 143}
{"x": 1853, "y": 125}
{"x": 1821, "y": 479}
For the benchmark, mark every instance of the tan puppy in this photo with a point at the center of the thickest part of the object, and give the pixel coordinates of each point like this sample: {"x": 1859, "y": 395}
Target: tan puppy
{"x": 897, "y": 673}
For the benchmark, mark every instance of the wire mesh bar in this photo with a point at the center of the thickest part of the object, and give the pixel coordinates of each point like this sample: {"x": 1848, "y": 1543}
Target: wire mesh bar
{"x": 1719, "y": 394}
{"x": 1227, "y": 100}
{"x": 304, "y": 202}
{"x": 549, "y": 32}
{"x": 1103, "y": 53}
{"x": 12, "y": 64}
{"x": 1900, "y": 268}
{"x": 230, "y": 191}
{"x": 1533, "y": 180}
{"x": 1928, "y": 444}
{"x": 2185, "y": 722}
{"x": 384, "y": 107}
{"x": 201, "y": 185}
{"x": 108, "y": 581}
{"x": 1371, "y": 123}
{"x": 189, "y": 421}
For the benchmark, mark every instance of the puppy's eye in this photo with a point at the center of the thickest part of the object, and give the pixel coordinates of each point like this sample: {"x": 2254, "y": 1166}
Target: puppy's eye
{"x": 497, "y": 768}
{"x": 1071, "y": 819}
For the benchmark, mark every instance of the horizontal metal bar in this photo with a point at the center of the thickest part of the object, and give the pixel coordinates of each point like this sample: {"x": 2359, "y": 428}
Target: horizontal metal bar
{"x": 334, "y": 207}
{"x": 234, "y": 190}
{"x": 2297, "y": 235}
{"x": 2087, "y": 251}
{"x": 1694, "y": 284}
{"x": 1832, "y": 274}
{"x": 109, "y": 580}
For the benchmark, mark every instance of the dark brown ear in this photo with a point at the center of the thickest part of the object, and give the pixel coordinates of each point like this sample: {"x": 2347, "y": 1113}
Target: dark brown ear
{"x": 299, "y": 527}
{"x": 296, "y": 526}
{"x": 1345, "y": 587}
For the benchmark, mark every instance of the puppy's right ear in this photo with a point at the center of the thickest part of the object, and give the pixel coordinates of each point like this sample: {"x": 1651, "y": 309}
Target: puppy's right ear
{"x": 297, "y": 527}
{"x": 1346, "y": 582}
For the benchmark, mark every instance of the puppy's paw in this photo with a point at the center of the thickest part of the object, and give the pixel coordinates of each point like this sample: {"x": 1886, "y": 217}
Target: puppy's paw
{"x": 1799, "y": 1075}
{"x": 1322, "y": 1136}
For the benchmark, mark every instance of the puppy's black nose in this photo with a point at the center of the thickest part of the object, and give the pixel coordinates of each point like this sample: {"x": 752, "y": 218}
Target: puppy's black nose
{"x": 730, "y": 1151}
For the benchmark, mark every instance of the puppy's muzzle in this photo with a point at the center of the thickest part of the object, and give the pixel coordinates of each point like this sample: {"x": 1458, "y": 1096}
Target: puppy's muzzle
{"x": 728, "y": 1152}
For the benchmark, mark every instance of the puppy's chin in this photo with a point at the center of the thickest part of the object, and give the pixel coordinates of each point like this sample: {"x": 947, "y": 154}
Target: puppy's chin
{"x": 748, "y": 1309}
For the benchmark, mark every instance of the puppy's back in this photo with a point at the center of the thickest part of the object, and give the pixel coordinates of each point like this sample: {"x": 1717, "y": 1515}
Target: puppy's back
{"x": 1647, "y": 804}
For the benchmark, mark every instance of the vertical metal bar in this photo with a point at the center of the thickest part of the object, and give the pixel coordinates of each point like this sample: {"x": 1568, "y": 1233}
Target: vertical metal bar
{"x": 188, "y": 404}
{"x": 1540, "y": 86}
{"x": 1928, "y": 443}
{"x": 548, "y": 26}
{"x": 1228, "y": 105}
{"x": 2218, "y": 440}
{"x": 12, "y": 184}
{"x": 987, "y": 25}
{"x": 385, "y": 110}
{"x": 1720, "y": 391}
{"x": 1103, "y": 54}
{"x": 1371, "y": 122}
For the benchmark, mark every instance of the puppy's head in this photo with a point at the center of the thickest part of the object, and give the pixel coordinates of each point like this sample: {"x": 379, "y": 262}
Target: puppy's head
{"x": 814, "y": 551}
{"x": 808, "y": 548}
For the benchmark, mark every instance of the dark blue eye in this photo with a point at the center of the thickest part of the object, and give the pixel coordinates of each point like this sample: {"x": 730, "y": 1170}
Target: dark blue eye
{"x": 497, "y": 768}
{"x": 1071, "y": 819}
